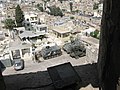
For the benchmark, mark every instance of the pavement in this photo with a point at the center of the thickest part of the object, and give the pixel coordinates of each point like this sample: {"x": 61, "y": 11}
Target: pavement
{"x": 32, "y": 66}
{"x": 35, "y": 74}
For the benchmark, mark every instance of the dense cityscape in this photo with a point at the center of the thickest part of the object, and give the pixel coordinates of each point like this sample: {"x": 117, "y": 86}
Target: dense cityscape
{"x": 38, "y": 34}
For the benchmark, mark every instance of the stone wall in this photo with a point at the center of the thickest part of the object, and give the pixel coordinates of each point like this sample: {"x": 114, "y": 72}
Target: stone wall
{"x": 91, "y": 54}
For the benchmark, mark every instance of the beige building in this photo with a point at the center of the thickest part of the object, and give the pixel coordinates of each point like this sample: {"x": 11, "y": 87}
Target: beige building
{"x": 61, "y": 31}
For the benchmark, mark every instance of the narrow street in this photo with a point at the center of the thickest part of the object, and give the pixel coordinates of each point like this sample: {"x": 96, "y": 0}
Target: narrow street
{"x": 31, "y": 66}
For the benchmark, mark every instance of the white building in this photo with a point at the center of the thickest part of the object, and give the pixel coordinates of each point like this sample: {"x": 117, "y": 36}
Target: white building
{"x": 96, "y": 14}
{"x": 100, "y": 8}
{"x": 87, "y": 32}
{"x": 19, "y": 30}
{"x": 42, "y": 18}
{"x": 31, "y": 18}
{"x": 40, "y": 28}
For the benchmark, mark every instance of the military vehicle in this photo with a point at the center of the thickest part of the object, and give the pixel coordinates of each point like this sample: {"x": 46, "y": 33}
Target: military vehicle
{"x": 75, "y": 48}
{"x": 67, "y": 47}
{"x": 78, "y": 51}
{"x": 50, "y": 52}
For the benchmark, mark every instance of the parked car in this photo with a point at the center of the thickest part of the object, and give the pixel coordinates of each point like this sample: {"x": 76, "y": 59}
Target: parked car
{"x": 18, "y": 64}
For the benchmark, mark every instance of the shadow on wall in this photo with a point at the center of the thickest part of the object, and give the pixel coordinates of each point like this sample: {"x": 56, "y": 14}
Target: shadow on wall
{"x": 88, "y": 74}
{"x": 2, "y": 84}
{"x": 2, "y": 66}
{"x": 42, "y": 81}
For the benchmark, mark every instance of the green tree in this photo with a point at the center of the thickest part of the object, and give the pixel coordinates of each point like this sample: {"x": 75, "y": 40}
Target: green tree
{"x": 56, "y": 11}
{"x": 63, "y": 10}
{"x": 92, "y": 34}
{"x": 40, "y": 7}
{"x": 77, "y": 11}
{"x": 9, "y": 24}
{"x": 71, "y": 6}
{"x": 19, "y": 17}
{"x": 95, "y": 6}
{"x": 71, "y": 17}
{"x": 95, "y": 34}
{"x": 59, "y": 12}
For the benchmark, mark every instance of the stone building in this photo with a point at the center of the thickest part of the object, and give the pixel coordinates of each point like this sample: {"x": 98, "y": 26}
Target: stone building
{"x": 61, "y": 32}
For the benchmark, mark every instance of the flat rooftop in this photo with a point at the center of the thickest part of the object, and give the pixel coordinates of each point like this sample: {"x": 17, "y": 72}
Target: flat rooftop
{"x": 30, "y": 34}
{"x": 18, "y": 45}
{"x": 61, "y": 29}
{"x": 90, "y": 40}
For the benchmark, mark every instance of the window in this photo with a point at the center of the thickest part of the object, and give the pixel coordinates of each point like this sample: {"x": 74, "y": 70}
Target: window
{"x": 37, "y": 28}
{"x": 32, "y": 18}
{"x": 35, "y": 18}
{"x": 43, "y": 28}
{"x": 27, "y": 19}
{"x": 28, "y": 24}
